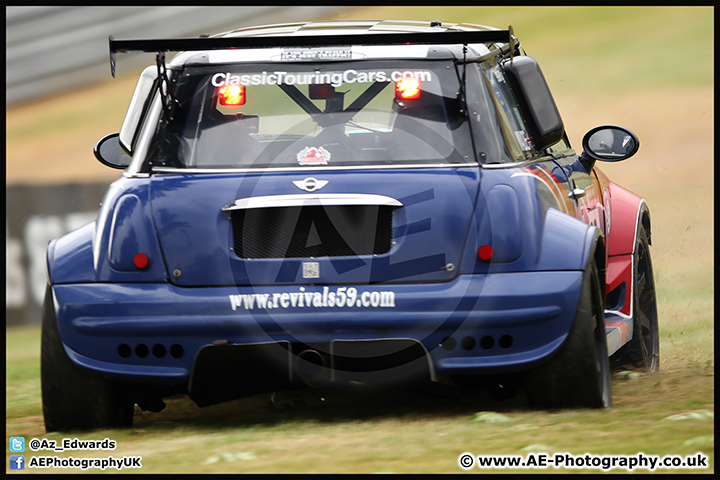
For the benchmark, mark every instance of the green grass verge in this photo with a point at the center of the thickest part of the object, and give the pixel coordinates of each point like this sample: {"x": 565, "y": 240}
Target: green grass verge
{"x": 325, "y": 432}
{"x": 596, "y": 49}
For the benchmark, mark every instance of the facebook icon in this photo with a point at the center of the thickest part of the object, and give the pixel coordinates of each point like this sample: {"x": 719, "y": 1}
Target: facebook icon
{"x": 17, "y": 462}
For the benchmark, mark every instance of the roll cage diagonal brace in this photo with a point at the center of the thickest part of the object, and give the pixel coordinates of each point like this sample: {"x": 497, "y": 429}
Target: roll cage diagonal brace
{"x": 340, "y": 116}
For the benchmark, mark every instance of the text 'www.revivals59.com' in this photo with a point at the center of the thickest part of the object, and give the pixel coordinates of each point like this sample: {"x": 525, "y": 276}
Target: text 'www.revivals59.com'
{"x": 640, "y": 461}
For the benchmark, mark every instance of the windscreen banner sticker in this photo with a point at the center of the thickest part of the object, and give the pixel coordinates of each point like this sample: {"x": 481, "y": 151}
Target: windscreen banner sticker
{"x": 336, "y": 79}
{"x": 341, "y": 297}
{"x": 316, "y": 54}
{"x": 313, "y": 156}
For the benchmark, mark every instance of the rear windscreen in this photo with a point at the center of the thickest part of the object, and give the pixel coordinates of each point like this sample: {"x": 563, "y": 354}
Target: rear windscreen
{"x": 334, "y": 114}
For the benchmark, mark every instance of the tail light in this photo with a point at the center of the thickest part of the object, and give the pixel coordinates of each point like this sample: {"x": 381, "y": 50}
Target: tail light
{"x": 141, "y": 261}
{"x": 485, "y": 253}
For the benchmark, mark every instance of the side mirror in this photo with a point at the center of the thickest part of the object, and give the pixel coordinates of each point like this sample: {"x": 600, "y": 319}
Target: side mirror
{"x": 109, "y": 152}
{"x": 536, "y": 103}
{"x": 608, "y": 143}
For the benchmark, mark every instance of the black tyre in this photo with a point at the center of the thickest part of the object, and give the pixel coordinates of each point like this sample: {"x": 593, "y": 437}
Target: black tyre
{"x": 643, "y": 350}
{"x": 74, "y": 399}
{"x": 578, "y": 374}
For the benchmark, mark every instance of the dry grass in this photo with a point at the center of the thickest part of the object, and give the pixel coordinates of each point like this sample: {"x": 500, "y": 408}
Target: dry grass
{"x": 325, "y": 432}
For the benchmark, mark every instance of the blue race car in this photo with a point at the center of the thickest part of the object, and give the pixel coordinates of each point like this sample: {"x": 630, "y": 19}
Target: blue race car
{"x": 381, "y": 204}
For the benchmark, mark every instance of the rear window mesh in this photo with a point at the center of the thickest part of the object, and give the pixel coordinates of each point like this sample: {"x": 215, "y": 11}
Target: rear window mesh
{"x": 312, "y": 231}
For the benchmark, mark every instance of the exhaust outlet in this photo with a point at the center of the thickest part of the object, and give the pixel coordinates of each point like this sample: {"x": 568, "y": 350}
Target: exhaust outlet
{"x": 312, "y": 368}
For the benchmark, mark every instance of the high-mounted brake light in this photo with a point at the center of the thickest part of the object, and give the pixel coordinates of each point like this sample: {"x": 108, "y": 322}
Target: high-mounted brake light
{"x": 321, "y": 91}
{"x": 231, "y": 95}
{"x": 407, "y": 89}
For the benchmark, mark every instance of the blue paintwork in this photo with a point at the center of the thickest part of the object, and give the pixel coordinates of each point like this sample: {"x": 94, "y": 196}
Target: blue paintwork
{"x": 429, "y": 230}
{"x": 529, "y": 291}
{"x": 127, "y": 234}
{"x": 535, "y": 308}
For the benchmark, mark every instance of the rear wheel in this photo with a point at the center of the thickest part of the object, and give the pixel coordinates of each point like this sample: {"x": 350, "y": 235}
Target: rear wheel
{"x": 643, "y": 350}
{"x": 74, "y": 399}
{"x": 578, "y": 375}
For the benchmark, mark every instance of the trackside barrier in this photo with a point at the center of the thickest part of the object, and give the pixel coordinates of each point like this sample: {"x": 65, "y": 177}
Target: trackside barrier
{"x": 35, "y": 214}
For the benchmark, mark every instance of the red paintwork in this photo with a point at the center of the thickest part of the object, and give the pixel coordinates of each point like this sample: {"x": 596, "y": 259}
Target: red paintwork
{"x": 625, "y": 214}
{"x": 623, "y": 210}
{"x": 618, "y": 270}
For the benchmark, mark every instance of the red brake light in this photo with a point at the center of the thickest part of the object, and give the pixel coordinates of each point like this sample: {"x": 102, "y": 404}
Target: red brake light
{"x": 141, "y": 260}
{"x": 231, "y": 95}
{"x": 321, "y": 91}
{"x": 407, "y": 89}
{"x": 485, "y": 252}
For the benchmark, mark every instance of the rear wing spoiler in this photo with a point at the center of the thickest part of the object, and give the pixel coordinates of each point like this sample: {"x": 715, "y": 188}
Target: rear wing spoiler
{"x": 224, "y": 43}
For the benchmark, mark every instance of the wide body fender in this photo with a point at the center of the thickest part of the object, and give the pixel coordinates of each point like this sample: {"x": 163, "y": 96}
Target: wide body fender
{"x": 569, "y": 242}
{"x": 104, "y": 250}
{"x": 627, "y": 212}
{"x": 70, "y": 258}
{"x": 528, "y": 228}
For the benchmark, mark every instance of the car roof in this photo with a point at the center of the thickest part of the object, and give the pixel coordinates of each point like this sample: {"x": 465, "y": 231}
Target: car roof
{"x": 353, "y": 27}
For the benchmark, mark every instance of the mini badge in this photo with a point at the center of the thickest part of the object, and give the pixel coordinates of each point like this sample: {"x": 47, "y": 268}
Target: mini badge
{"x": 313, "y": 156}
{"x": 310, "y": 184}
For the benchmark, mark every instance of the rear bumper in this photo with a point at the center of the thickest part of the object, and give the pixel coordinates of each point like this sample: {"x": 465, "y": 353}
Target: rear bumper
{"x": 475, "y": 324}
